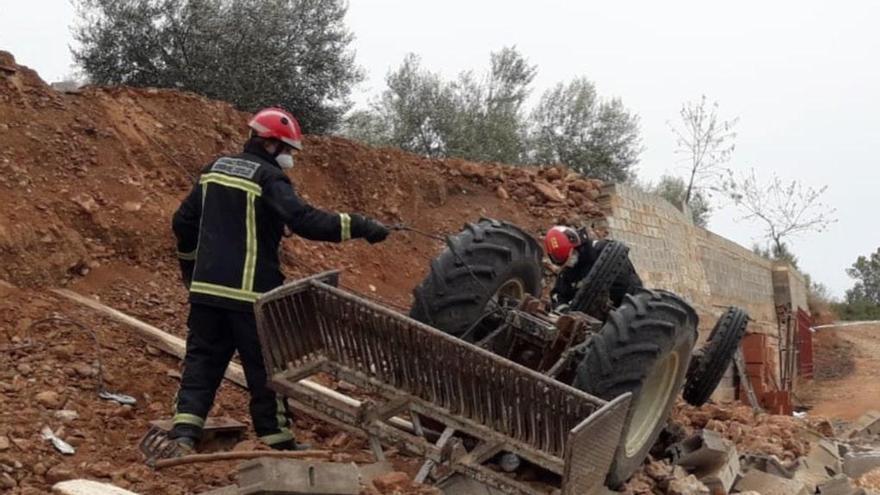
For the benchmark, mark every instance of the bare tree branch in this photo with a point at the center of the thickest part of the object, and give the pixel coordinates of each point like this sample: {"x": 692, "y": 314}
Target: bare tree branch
{"x": 785, "y": 208}
{"x": 705, "y": 141}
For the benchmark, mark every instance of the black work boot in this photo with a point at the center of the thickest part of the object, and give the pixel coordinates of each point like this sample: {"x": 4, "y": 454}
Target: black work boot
{"x": 185, "y": 445}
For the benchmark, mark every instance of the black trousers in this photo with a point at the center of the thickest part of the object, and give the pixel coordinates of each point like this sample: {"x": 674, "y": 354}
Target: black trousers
{"x": 214, "y": 336}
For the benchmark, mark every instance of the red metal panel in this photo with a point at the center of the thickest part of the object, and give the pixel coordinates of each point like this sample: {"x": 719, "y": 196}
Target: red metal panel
{"x": 804, "y": 344}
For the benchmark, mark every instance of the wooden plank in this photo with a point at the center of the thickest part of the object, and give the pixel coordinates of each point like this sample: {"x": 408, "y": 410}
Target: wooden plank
{"x": 88, "y": 487}
{"x": 176, "y": 346}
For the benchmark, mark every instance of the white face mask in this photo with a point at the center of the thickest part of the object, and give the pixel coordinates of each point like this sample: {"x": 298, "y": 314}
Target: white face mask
{"x": 572, "y": 259}
{"x": 285, "y": 161}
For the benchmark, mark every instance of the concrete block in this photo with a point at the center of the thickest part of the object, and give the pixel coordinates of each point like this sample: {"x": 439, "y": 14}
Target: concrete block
{"x": 769, "y": 484}
{"x": 711, "y": 458}
{"x": 88, "y": 487}
{"x": 867, "y": 425}
{"x": 838, "y": 485}
{"x": 706, "y": 448}
{"x": 226, "y": 490}
{"x": 268, "y": 476}
{"x": 721, "y": 478}
{"x": 855, "y": 464}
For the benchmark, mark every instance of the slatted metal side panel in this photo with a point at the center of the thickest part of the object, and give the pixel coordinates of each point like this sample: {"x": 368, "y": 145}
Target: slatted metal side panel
{"x": 319, "y": 321}
{"x": 288, "y": 328}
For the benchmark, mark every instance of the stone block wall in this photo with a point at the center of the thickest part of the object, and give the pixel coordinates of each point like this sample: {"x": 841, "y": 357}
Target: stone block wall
{"x": 709, "y": 271}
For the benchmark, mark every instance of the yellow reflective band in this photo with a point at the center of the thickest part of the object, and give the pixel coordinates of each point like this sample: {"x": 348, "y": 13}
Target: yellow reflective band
{"x": 188, "y": 419}
{"x": 225, "y": 180}
{"x": 222, "y": 291}
{"x": 345, "y": 224}
{"x": 187, "y": 256}
{"x": 275, "y": 438}
{"x": 280, "y": 414}
{"x": 250, "y": 257}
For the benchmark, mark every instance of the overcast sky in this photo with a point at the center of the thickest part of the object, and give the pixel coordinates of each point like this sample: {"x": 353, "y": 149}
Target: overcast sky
{"x": 802, "y": 76}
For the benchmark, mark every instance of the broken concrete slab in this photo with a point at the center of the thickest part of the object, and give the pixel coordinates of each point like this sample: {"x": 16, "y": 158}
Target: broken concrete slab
{"x": 827, "y": 453}
{"x": 769, "y": 484}
{"x": 462, "y": 485}
{"x": 840, "y": 484}
{"x": 855, "y": 464}
{"x": 766, "y": 463}
{"x": 820, "y": 465}
{"x": 88, "y": 487}
{"x": 867, "y": 425}
{"x": 267, "y": 476}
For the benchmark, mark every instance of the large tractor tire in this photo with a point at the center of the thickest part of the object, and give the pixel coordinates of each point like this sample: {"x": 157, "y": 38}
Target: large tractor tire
{"x": 592, "y": 296}
{"x": 643, "y": 348}
{"x": 487, "y": 262}
{"x": 712, "y": 360}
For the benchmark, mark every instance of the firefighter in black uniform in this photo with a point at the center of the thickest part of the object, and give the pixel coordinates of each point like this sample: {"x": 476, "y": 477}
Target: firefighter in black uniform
{"x": 577, "y": 253}
{"x": 228, "y": 233}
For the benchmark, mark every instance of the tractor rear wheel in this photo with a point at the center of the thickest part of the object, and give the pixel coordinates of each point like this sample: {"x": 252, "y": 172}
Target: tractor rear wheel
{"x": 643, "y": 348}
{"x": 486, "y": 264}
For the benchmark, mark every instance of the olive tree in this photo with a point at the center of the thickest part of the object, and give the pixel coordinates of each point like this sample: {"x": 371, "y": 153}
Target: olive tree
{"x": 252, "y": 53}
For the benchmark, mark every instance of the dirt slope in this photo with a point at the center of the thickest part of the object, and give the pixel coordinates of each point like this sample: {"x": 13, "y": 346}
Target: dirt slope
{"x": 847, "y": 367}
{"x": 88, "y": 182}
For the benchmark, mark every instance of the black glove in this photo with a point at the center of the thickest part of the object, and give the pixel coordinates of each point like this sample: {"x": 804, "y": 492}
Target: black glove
{"x": 186, "y": 271}
{"x": 367, "y": 228}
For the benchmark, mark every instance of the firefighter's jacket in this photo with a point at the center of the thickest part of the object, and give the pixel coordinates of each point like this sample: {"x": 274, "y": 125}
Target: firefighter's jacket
{"x": 230, "y": 226}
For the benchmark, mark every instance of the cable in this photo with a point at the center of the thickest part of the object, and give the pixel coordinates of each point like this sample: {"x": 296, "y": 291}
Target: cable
{"x": 372, "y": 297}
{"x": 448, "y": 241}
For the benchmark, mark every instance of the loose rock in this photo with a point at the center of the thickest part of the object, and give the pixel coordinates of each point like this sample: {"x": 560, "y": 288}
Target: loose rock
{"x": 687, "y": 486}
{"x": 392, "y": 481}
{"x": 49, "y": 399}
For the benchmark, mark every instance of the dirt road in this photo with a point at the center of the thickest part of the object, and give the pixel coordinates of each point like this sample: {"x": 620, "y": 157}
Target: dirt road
{"x": 848, "y": 371}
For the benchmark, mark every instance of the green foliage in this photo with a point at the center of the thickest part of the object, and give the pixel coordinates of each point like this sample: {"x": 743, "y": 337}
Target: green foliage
{"x": 862, "y": 302}
{"x": 674, "y": 189}
{"x": 252, "y": 53}
{"x": 857, "y": 311}
{"x": 476, "y": 117}
{"x": 777, "y": 252}
{"x": 866, "y": 271}
{"x": 597, "y": 138}
{"x": 483, "y": 117}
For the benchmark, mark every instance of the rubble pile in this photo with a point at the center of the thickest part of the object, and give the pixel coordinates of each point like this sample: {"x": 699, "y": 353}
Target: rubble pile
{"x": 758, "y": 433}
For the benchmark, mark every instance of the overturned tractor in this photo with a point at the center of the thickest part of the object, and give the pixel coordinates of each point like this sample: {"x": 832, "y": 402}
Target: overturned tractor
{"x": 481, "y": 379}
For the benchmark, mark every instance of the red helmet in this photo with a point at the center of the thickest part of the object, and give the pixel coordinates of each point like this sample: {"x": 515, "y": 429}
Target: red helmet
{"x": 559, "y": 243}
{"x": 275, "y": 123}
